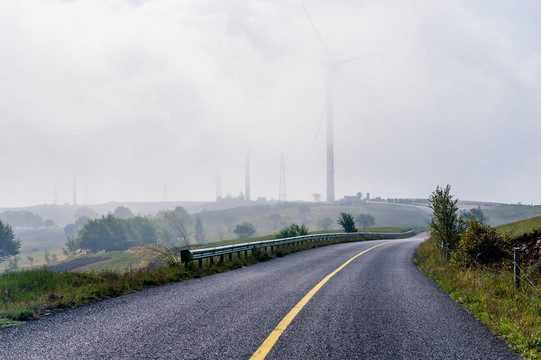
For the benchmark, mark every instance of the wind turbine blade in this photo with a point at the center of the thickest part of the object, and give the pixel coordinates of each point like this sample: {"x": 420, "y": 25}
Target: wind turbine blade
{"x": 360, "y": 57}
{"x": 321, "y": 120}
{"x": 322, "y": 43}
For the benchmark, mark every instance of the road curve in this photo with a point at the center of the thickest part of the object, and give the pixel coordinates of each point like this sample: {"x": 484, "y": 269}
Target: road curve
{"x": 379, "y": 306}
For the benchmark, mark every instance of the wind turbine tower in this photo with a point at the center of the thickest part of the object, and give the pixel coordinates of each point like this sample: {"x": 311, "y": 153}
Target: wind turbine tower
{"x": 331, "y": 68}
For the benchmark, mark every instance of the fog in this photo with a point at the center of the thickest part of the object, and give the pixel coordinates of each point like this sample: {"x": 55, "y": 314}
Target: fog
{"x": 133, "y": 96}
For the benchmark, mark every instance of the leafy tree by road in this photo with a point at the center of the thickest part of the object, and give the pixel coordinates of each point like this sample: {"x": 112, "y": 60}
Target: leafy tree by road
{"x": 9, "y": 246}
{"x": 244, "y": 230}
{"x": 446, "y": 224}
{"x": 365, "y": 220}
{"x": 347, "y": 222}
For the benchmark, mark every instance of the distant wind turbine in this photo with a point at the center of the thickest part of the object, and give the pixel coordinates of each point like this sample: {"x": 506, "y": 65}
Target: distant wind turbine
{"x": 331, "y": 67}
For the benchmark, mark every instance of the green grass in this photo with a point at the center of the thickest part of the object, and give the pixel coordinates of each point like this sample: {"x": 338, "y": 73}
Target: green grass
{"x": 122, "y": 261}
{"x": 28, "y": 294}
{"x": 519, "y": 228}
{"x": 490, "y": 296}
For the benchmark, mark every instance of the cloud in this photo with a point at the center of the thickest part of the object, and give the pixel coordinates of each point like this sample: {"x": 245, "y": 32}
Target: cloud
{"x": 142, "y": 93}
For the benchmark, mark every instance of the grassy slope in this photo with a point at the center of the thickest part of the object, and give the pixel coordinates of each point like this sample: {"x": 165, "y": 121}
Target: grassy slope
{"x": 489, "y": 294}
{"x": 500, "y": 214}
{"x": 520, "y": 227}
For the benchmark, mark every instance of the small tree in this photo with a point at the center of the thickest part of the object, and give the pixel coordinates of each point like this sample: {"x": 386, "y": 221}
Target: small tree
{"x": 244, "y": 230}
{"x": 476, "y": 213}
{"x": 324, "y": 224}
{"x": 365, "y": 220}
{"x": 72, "y": 247}
{"x": 347, "y": 222}
{"x": 199, "y": 230}
{"x": 445, "y": 225}
{"x": 8, "y": 245}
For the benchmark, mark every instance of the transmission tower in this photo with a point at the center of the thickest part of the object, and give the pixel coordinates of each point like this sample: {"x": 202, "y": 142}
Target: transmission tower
{"x": 282, "y": 193}
{"x": 218, "y": 182}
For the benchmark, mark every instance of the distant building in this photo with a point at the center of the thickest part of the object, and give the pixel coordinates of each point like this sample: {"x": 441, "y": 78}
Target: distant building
{"x": 352, "y": 200}
{"x": 261, "y": 199}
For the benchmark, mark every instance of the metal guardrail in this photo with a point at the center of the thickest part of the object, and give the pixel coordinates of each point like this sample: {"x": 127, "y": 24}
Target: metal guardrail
{"x": 200, "y": 254}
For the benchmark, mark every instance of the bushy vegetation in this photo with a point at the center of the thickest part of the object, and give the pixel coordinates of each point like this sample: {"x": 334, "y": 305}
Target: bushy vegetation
{"x": 292, "y": 231}
{"x": 346, "y": 221}
{"x": 109, "y": 233}
{"x": 481, "y": 244}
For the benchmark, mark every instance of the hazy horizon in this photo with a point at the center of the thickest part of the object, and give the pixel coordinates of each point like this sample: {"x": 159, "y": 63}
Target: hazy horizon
{"x": 132, "y": 96}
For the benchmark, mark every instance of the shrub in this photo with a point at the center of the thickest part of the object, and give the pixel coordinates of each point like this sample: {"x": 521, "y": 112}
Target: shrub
{"x": 482, "y": 244}
{"x": 347, "y": 222}
{"x": 292, "y": 231}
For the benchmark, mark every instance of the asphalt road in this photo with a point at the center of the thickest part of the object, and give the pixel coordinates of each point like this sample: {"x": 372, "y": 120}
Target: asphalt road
{"x": 380, "y": 306}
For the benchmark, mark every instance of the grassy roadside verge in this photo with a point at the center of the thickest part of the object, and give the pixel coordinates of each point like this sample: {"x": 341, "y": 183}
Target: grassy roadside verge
{"x": 490, "y": 296}
{"x": 26, "y": 295}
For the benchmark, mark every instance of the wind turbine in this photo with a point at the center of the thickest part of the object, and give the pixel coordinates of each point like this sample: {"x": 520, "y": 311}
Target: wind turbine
{"x": 331, "y": 67}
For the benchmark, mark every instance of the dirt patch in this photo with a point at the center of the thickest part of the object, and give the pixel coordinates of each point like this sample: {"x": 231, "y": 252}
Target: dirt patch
{"x": 76, "y": 263}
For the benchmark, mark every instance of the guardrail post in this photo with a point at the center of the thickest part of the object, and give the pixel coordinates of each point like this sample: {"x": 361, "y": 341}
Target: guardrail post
{"x": 200, "y": 263}
{"x": 245, "y": 253}
{"x": 222, "y": 258}
{"x": 211, "y": 260}
{"x": 230, "y": 256}
{"x": 516, "y": 261}
{"x": 238, "y": 254}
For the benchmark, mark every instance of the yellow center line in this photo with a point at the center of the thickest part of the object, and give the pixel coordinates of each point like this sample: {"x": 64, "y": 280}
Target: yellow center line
{"x": 279, "y": 330}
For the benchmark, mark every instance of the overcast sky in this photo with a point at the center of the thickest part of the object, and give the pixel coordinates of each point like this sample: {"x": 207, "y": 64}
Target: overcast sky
{"x": 136, "y": 95}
